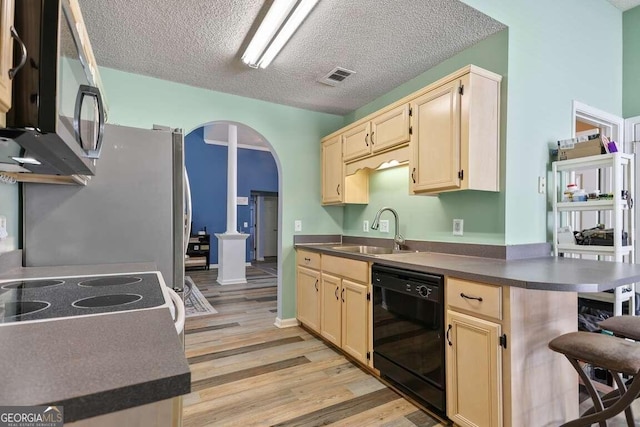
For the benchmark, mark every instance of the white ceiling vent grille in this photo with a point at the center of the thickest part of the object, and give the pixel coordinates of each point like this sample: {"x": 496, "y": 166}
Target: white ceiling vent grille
{"x": 336, "y": 76}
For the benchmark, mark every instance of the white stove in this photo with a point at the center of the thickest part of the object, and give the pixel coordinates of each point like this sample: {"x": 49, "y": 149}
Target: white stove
{"x": 43, "y": 299}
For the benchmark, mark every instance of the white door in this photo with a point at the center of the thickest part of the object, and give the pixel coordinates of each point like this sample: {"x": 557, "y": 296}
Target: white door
{"x": 270, "y": 226}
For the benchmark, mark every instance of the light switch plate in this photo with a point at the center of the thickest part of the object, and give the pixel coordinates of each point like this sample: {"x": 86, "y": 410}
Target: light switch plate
{"x": 365, "y": 226}
{"x": 542, "y": 185}
{"x": 245, "y": 224}
{"x": 384, "y": 225}
{"x": 297, "y": 225}
{"x": 458, "y": 227}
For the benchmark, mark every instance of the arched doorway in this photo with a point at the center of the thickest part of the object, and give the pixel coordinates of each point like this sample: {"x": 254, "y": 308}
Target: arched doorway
{"x": 259, "y": 179}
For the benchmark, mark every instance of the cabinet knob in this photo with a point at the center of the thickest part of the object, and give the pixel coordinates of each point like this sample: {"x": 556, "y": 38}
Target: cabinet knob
{"x": 448, "y": 331}
{"x": 342, "y": 294}
{"x": 366, "y": 139}
{"x": 372, "y": 138}
{"x": 338, "y": 189}
{"x": 336, "y": 293}
{"x": 307, "y": 259}
{"x": 413, "y": 175}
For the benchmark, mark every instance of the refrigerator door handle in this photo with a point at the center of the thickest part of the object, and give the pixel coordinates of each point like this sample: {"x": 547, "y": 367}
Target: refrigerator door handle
{"x": 188, "y": 212}
{"x": 180, "y": 313}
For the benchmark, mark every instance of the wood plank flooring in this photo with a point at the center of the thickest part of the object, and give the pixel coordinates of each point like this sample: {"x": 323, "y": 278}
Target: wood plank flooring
{"x": 247, "y": 372}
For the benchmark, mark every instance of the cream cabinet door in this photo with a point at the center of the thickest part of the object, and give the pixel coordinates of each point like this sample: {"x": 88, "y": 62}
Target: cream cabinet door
{"x": 332, "y": 171}
{"x": 436, "y": 139}
{"x": 474, "y": 371}
{"x": 355, "y": 319}
{"x": 6, "y": 57}
{"x": 357, "y": 141}
{"x": 308, "y": 297}
{"x": 331, "y": 316}
{"x": 390, "y": 129}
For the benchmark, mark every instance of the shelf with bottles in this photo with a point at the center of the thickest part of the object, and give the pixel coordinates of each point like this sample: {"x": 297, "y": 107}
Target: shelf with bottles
{"x": 606, "y": 202}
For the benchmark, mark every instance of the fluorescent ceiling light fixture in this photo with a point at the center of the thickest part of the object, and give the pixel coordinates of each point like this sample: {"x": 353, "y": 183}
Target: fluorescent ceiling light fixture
{"x": 27, "y": 160}
{"x": 281, "y": 21}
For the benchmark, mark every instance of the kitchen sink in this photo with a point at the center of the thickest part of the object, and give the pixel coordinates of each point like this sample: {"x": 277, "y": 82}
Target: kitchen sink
{"x": 371, "y": 250}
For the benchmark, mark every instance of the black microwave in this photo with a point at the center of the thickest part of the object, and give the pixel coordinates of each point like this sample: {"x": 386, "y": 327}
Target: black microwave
{"x": 57, "y": 114}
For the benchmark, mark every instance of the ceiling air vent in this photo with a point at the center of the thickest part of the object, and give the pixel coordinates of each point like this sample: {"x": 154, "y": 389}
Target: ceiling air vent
{"x": 337, "y": 76}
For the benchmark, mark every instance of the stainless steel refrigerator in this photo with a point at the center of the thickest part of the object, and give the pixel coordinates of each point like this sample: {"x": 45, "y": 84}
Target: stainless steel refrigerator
{"x": 135, "y": 209}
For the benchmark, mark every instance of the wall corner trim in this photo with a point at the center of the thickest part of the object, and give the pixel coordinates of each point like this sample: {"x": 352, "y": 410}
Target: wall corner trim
{"x": 286, "y": 323}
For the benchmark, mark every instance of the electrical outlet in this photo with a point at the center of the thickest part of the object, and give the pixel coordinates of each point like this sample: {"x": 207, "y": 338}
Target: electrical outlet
{"x": 297, "y": 225}
{"x": 365, "y": 226}
{"x": 458, "y": 227}
{"x": 542, "y": 185}
{"x": 245, "y": 224}
{"x": 384, "y": 225}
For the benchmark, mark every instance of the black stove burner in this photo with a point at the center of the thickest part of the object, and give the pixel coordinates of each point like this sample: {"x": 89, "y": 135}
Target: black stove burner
{"x": 31, "y": 284}
{"x": 107, "y": 300}
{"x": 110, "y": 281}
{"x": 19, "y": 308}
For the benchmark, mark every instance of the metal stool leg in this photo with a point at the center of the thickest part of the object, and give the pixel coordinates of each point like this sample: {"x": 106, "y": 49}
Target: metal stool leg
{"x": 620, "y": 405}
{"x": 623, "y": 389}
{"x": 595, "y": 397}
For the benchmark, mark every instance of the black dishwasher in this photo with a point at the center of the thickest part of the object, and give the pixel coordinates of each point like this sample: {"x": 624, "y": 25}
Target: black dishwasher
{"x": 408, "y": 332}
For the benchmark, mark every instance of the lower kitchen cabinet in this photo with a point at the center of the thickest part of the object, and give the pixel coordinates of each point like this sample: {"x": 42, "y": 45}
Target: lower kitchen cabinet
{"x": 308, "y": 298}
{"x": 331, "y": 305}
{"x": 355, "y": 299}
{"x": 500, "y": 371}
{"x": 340, "y": 308}
{"x": 474, "y": 366}
{"x": 164, "y": 413}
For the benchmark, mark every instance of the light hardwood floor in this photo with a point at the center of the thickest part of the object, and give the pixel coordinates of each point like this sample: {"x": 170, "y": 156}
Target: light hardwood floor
{"x": 247, "y": 372}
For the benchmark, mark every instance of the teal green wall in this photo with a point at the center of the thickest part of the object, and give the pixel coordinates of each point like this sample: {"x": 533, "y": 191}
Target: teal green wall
{"x": 294, "y": 134}
{"x": 551, "y": 51}
{"x": 546, "y": 52}
{"x": 631, "y": 63}
{"x": 430, "y": 218}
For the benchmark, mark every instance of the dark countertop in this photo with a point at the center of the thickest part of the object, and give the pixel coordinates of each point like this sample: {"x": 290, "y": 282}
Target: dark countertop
{"x": 547, "y": 273}
{"x": 92, "y": 365}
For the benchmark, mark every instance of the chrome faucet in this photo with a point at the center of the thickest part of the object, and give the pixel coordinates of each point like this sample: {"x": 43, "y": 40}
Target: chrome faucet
{"x": 397, "y": 239}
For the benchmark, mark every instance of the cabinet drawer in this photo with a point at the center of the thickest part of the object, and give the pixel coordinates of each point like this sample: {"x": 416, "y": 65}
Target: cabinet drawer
{"x": 345, "y": 267}
{"x": 475, "y": 297}
{"x": 308, "y": 259}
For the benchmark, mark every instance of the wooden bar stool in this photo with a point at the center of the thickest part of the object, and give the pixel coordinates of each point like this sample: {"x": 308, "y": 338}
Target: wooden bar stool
{"x": 616, "y": 355}
{"x": 623, "y": 326}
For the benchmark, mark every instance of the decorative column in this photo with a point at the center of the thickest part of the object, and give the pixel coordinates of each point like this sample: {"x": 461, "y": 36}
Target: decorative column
{"x": 231, "y": 243}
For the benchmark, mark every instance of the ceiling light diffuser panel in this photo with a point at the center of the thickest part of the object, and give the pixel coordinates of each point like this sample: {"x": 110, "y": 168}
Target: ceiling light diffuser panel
{"x": 281, "y": 21}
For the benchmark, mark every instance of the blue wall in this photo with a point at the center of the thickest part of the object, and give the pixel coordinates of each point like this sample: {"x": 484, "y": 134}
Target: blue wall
{"x": 207, "y": 168}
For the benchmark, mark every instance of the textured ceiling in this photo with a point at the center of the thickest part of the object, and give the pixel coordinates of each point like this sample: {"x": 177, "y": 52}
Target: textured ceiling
{"x": 199, "y": 43}
{"x": 625, "y": 4}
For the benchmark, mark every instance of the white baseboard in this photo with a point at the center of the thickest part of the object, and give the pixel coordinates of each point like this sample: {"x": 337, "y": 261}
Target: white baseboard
{"x": 248, "y": 264}
{"x": 231, "y": 282}
{"x": 286, "y": 323}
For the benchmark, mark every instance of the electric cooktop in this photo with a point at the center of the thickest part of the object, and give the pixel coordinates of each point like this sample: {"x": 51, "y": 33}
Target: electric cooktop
{"x": 48, "y": 298}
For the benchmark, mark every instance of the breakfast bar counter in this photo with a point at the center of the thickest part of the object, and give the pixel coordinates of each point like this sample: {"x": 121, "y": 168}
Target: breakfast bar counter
{"x": 544, "y": 273}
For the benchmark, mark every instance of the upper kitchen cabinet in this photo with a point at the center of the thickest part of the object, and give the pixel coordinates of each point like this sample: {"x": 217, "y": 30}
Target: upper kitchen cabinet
{"x": 390, "y": 128}
{"x": 6, "y": 57}
{"x": 356, "y": 141}
{"x": 455, "y": 133}
{"x": 382, "y": 132}
{"x": 337, "y": 188}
